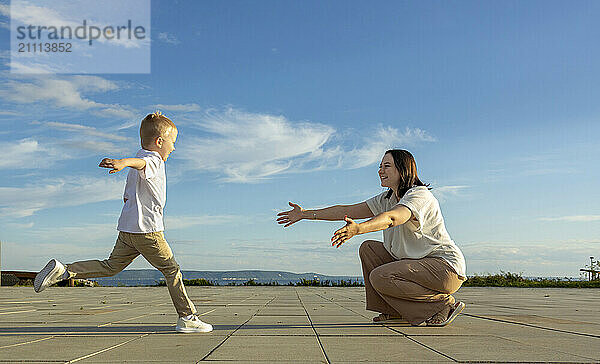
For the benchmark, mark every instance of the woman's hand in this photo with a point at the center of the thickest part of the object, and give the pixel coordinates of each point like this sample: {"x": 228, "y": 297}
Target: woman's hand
{"x": 290, "y": 217}
{"x": 345, "y": 233}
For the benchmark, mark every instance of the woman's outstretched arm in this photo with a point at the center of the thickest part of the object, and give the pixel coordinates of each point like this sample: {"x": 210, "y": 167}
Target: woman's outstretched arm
{"x": 332, "y": 213}
{"x": 394, "y": 217}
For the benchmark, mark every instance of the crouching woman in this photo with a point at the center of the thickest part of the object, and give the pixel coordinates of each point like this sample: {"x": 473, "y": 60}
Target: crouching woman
{"x": 412, "y": 274}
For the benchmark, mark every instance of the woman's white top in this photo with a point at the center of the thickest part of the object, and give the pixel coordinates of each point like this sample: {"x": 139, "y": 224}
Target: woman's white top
{"x": 425, "y": 237}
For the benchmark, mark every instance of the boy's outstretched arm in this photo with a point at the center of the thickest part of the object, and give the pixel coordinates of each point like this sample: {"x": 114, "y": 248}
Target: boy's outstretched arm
{"x": 118, "y": 164}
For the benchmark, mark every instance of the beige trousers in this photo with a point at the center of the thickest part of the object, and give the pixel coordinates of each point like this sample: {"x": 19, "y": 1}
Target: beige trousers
{"x": 415, "y": 289}
{"x": 157, "y": 252}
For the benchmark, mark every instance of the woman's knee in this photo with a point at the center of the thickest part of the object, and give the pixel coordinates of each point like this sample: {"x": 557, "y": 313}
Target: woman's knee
{"x": 366, "y": 247}
{"x": 378, "y": 278}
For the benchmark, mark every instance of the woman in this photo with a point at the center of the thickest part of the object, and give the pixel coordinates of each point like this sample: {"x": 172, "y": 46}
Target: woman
{"x": 412, "y": 274}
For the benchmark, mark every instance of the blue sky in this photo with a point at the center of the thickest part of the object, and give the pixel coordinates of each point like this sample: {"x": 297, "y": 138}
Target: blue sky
{"x": 297, "y": 101}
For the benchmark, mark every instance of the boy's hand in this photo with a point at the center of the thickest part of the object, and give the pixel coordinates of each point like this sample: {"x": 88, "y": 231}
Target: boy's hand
{"x": 115, "y": 164}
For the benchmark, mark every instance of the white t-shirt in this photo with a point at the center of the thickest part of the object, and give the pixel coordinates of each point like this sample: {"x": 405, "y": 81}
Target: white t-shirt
{"x": 146, "y": 194}
{"x": 426, "y": 237}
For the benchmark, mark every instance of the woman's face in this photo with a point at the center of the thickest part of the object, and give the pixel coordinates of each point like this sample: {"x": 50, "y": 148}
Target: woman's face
{"x": 388, "y": 174}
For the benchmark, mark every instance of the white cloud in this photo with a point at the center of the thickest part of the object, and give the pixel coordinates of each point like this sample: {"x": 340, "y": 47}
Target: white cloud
{"x": 249, "y": 147}
{"x": 83, "y": 129}
{"x": 75, "y": 234}
{"x": 529, "y": 258}
{"x": 95, "y": 140}
{"x": 27, "y": 13}
{"x": 168, "y": 38}
{"x": 443, "y": 193}
{"x": 179, "y": 107}
{"x": 66, "y": 92}
{"x": 32, "y": 255}
{"x": 119, "y": 111}
{"x": 375, "y": 143}
{"x": 267, "y": 254}
{"x": 32, "y": 154}
{"x": 26, "y": 153}
{"x": 32, "y": 68}
{"x": 25, "y": 201}
{"x": 573, "y": 218}
{"x": 17, "y": 225}
{"x": 96, "y": 146}
{"x": 61, "y": 93}
{"x": 9, "y": 113}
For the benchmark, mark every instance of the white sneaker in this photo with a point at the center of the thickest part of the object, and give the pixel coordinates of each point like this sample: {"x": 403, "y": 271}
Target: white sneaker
{"x": 193, "y": 325}
{"x": 50, "y": 274}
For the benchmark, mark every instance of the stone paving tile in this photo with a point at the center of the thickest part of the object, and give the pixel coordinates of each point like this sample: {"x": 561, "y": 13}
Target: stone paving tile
{"x": 277, "y": 325}
{"x": 270, "y": 324}
{"x": 165, "y": 348}
{"x": 379, "y": 350}
{"x": 282, "y": 311}
{"x": 348, "y": 325}
{"x": 63, "y": 348}
{"x": 271, "y": 348}
{"x": 469, "y": 348}
{"x": 18, "y": 340}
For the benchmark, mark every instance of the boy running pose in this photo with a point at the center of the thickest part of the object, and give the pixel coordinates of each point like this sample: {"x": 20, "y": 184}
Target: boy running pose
{"x": 140, "y": 225}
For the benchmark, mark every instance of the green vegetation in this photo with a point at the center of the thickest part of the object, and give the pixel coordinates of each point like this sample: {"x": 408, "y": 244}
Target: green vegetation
{"x": 189, "y": 282}
{"x": 327, "y": 283}
{"x": 503, "y": 279}
{"x": 252, "y": 282}
{"x": 197, "y": 282}
{"x": 507, "y": 279}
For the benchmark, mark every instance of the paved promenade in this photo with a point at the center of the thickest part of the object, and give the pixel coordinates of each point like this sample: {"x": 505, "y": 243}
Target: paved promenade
{"x": 293, "y": 324}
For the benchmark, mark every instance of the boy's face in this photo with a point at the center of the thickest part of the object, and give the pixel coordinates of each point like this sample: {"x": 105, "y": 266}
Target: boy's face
{"x": 166, "y": 143}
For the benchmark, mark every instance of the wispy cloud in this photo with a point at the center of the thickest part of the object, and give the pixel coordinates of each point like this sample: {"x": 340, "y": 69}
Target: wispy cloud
{"x": 32, "y": 255}
{"x": 17, "y": 202}
{"x": 27, "y": 153}
{"x": 572, "y": 218}
{"x": 83, "y": 129}
{"x": 16, "y": 225}
{"x": 87, "y": 138}
{"x": 179, "y": 107}
{"x": 9, "y": 113}
{"x": 76, "y": 234}
{"x": 5, "y": 10}
{"x": 248, "y": 147}
{"x": 31, "y": 13}
{"x": 168, "y": 38}
{"x": 295, "y": 256}
{"x": 443, "y": 193}
{"x": 530, "y": 258}
{"x": 65, "y": 92}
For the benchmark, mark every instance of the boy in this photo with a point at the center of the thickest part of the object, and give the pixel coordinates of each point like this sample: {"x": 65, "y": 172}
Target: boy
{"x": 141, "y": 223}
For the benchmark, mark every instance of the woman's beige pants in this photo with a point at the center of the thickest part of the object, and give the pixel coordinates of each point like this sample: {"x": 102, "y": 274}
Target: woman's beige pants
{"x": 415, "y": 289}
{"x": 157, "y": 252}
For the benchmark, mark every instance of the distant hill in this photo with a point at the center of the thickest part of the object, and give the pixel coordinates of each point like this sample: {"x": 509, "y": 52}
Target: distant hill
{"x": 147, "y": 277}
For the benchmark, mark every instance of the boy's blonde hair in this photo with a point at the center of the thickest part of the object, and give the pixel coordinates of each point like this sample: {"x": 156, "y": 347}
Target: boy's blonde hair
{"x": 153, "y": 126}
